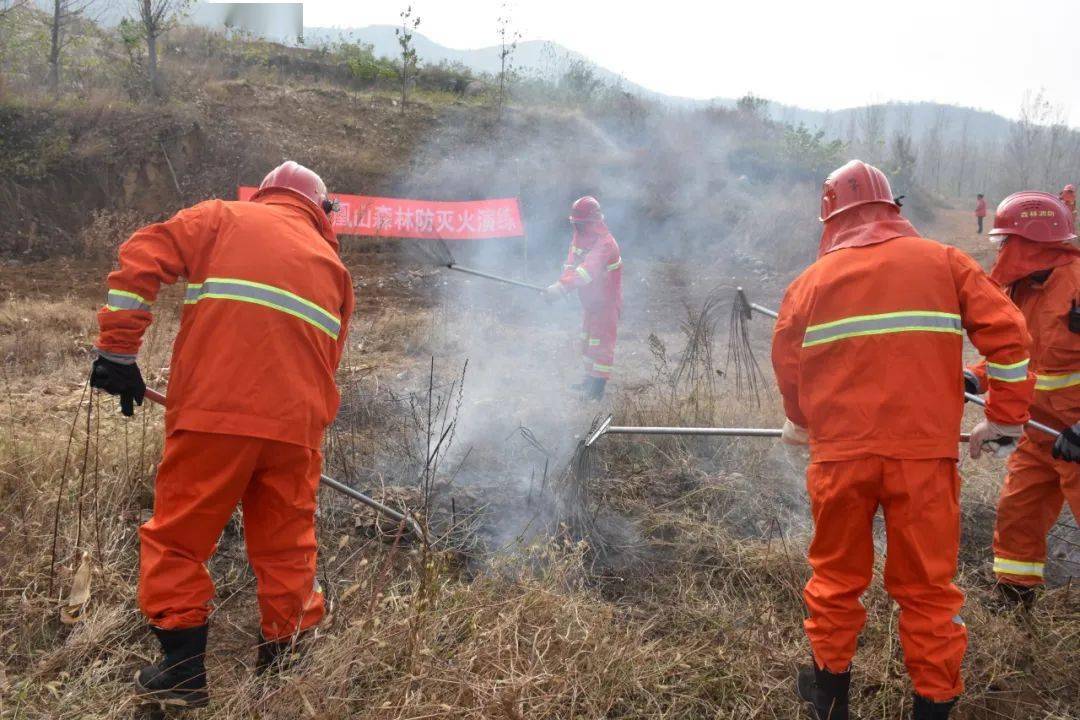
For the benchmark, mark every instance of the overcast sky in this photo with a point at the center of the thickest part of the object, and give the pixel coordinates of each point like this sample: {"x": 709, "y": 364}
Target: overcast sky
{"x": 818, "y": 55}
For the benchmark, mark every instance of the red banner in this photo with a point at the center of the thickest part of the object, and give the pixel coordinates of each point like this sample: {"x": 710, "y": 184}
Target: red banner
{"x": 425, "y": 219}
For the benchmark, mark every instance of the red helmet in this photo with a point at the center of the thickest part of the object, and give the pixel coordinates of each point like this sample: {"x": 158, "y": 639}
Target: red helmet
{"x": 851, "y": 185}
{"x": 1070, "y": 188}
{"x": 586, "y": 210}
{"x": 293, "y": 176}
{"x": 1036, "y": 216}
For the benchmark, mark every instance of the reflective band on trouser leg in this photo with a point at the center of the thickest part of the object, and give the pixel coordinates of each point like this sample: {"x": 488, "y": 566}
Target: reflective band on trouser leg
{"x": 1056, "y": 382}
{"x": 267, "y": 296}
{"x": 894, "y": 322}
{"x": 584, "y": 274}
{"x": 1005, "y": 566}
{"x": 124, "y": 300}
{"x": 1017, "y": 372}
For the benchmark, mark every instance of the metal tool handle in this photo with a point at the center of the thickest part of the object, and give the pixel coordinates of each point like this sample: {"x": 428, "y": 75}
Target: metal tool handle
{"x": 1034, "y": 424}
{"x": 159, "y": 399}
{"x": 496, "y": 278}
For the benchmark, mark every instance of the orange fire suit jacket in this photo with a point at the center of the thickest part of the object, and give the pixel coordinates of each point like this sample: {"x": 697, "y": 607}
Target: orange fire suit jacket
{"x": 1055, "y": 351}
{"x": 265, "y": 316}
{"x": 868, "y": 350}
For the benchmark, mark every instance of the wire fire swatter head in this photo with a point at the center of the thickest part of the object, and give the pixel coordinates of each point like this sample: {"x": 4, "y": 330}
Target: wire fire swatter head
{"x": 741, "y": 361}
{"x": 432, "y": 252}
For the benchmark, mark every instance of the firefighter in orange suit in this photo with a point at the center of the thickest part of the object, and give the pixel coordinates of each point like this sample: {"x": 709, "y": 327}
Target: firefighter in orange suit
{"x": 251, "y": 391}
{"x": 593, "y": 269}
{"x": 1039, "y": 267}
{"x": 867, "y": 353}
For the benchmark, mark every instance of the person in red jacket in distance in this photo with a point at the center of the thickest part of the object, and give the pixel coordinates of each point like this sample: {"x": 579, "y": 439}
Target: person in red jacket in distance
{"x": 251, "y": 390}
{"x": 868, "y": 355}
{"x": 593, "y": 269}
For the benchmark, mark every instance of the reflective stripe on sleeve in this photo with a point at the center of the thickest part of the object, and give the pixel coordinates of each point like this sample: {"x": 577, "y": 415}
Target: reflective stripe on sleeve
{"x": 615, "y": 265}
{"x": 593, "y": 342}
{"x": 1017, "y": 372}
{"x": 584, "y": 274}
{"x": 1015, "y": 567}
{"x": 894, "y": 322}
{"x": 124, "y": 300}
{"x": 576, "y": 249}
{"x": 267, "y": 296}
{"x": 1056, "y": 382}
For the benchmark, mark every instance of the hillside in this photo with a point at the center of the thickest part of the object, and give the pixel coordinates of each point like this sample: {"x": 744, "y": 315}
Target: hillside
{"x": 642, "y": 577}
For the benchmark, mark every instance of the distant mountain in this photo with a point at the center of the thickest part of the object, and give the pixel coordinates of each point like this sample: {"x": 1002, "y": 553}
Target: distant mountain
{"x": 550, "y": 60}
{"x": 541, "y": 58}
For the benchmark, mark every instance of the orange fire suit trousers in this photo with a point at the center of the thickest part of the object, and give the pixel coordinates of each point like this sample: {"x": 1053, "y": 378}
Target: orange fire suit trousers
{"x": 599, "y": 330}
{"x": 1036, "y": 487}
{"x": 921, "y": 504}
{"x": 202, "y": 478}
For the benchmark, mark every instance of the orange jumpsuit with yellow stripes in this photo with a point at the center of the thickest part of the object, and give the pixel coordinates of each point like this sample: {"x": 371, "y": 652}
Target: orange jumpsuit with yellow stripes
{"x": 1037, "y": 485}
{"x": 594, "y": 268}
{"x": 251, "y": 391}
{"x": 868, "y": 357}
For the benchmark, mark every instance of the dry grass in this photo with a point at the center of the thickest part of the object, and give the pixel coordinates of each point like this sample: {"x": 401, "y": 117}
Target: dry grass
{"x": 700, "y": 618}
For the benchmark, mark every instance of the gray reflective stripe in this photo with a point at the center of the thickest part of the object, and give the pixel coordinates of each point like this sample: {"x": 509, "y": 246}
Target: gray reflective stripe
{"x": 895, "y": 322}
{"x": 267, "y": 296}
{"x": 1056, "y": 382}
{"x": 124, "y": 300}
{"x": 1017, "y": 372}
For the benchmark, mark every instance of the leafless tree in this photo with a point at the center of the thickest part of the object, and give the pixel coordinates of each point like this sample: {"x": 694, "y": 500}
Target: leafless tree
{"x": 65, "y": 14}
{"x": 1028, "y": 136}
{"x": 872, "y": 131}
{"x": 155, "y": 18}
{"x": 409, "y": 23}
{"x": 508, "y": 40}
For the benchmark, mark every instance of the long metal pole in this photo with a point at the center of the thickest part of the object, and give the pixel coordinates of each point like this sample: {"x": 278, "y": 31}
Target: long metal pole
{"x": 159, "y": 398}
{"x": 496, "y": 278}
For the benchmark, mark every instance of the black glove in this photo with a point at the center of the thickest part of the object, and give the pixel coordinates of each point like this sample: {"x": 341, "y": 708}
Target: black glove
{"x": 119, "y": 379}
{"x": 971, "y": 383}
{"x": 1067, "y": 446}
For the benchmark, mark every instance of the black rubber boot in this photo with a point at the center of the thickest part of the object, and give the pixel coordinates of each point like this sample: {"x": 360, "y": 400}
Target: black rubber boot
{"x": 277, "y": 655}
{"x": 180, "y": 679}
{"x": 930, "y": 710}
{"x": 1013, "y": 596}
{"x": 825, "y": 693}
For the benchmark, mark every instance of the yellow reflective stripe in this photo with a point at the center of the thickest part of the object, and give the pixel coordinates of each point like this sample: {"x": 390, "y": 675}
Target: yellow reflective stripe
{"x": 576, "y": 249}
{"x": 272, "y": 306}
{"x": 594, "y": 341}
{"x": 883, "y": 323}
{"x": 603, "y": 368}
{"x": 1016, "y": 567}
{"x": 1016, "y": 372}
{"x": 278, "y": 290}
{"x": 266, "y": 296}
{"x": 615, "y": 265}
{"x": 125, "y": 293}
{"x": 1056, "y": 382}
{"x": 584, "y": 274}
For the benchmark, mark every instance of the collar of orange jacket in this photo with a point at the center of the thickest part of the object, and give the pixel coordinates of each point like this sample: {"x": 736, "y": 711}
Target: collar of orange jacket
{"x": 1019, "y": 258}
{"x": 868, "y": 224}
{"x": 585, "y": 236}
{"x": 284, "y": 196}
